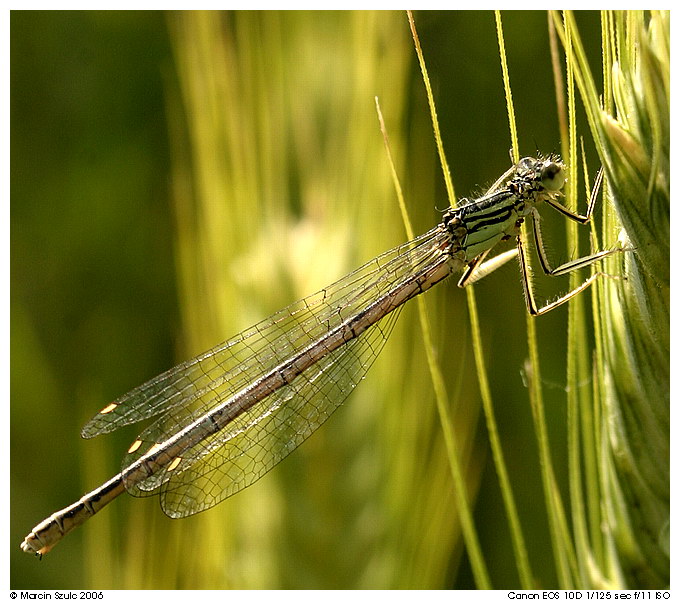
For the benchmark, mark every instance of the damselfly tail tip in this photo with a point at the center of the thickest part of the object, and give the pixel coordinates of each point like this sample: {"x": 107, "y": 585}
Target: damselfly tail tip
{"x": 32, "y": 545}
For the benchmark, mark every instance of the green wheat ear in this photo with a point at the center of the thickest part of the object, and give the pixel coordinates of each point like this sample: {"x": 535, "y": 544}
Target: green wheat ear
{"x": 630, "y": 124}
{"x": 638, "y": 141}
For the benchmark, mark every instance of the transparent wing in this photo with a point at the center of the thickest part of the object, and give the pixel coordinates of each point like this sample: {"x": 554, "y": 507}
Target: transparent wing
{"x": 249, "y": 447}
{"x": 255, "y": 441}
{"x": 233, "y": 364}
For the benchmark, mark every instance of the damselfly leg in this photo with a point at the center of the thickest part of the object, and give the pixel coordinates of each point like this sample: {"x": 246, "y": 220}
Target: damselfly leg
{"x": 567, "y": 267}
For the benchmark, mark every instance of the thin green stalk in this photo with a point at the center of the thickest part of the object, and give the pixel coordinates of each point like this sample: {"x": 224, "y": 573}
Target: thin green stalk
{"x": 517, "y": 537}
{"x": 579, "y": 426}
{"x": 577, "y": 351}
{"x": 559, "y": 532}
{"x": 506, "y": 85}
{"x": 476, "y": 557}
{"x": 433, "y": 112}
{"x": 590, "y": 407}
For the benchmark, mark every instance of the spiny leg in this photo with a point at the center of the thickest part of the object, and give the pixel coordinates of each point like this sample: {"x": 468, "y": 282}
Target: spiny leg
{"x": 574, "y": 216}
{"x": 532, "y": 307}
{"x": 567, "y": 267}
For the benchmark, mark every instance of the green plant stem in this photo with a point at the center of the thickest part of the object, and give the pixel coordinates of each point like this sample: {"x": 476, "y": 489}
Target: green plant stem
{"x": 559, "y": 532}
{"x": 464, "y": 512}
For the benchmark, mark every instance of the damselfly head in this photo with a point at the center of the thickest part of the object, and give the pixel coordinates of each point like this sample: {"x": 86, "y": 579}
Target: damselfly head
{"x": 553, "y": 175}
{"x": 549, "y": 172}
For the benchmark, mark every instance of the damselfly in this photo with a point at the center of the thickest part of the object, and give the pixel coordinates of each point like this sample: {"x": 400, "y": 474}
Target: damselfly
{"x": 228, "y": 416}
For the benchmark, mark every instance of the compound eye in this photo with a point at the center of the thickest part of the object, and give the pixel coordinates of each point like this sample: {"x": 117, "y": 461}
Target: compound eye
{"x": 553, "y": 177}
{"x": 526, "y": 164}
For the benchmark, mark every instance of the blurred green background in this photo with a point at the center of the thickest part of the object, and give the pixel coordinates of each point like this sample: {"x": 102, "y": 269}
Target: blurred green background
{"x": 176, "y": 177}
